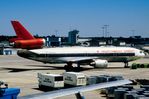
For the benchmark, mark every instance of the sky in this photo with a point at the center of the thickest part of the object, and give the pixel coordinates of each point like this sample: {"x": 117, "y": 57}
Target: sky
{"x": 57, "y": 17}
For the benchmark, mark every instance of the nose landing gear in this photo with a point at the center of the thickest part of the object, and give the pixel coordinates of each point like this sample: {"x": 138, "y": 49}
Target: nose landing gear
{"x": 126, "y": 65}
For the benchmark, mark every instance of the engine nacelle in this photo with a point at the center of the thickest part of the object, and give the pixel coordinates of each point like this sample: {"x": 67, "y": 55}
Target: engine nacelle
{"x": 98, "y": 63}
{"x": 29, "y": 44}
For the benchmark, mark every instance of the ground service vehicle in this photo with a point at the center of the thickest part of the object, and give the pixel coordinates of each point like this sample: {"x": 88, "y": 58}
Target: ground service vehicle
{"x": 50, "y": 80}
{"x": 74, "y": 78}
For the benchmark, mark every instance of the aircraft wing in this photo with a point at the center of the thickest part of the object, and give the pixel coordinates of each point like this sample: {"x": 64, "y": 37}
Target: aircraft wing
{"x": 77, "y": 59}
{"x": 68, "y": 91}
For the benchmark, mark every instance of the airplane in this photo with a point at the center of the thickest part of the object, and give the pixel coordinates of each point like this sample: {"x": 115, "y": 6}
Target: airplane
{"x": 76, "y": 90}
{"x": 25, "y": 39}
{"x": 94, "y": 56}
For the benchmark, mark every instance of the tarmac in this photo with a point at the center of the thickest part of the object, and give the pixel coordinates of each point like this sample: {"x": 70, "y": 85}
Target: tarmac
{"x": 22, "y": 73}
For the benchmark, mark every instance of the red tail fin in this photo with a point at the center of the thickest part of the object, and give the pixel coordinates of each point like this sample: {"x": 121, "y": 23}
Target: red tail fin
{"x": 21, "y": 32}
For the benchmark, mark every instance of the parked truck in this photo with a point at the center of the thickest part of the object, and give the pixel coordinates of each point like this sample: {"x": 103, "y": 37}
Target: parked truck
{"x": 74, "y": 78}
{"x": 50, "y": 80}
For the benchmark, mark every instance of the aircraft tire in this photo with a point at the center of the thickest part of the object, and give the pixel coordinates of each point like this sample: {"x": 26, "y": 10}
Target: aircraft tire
{"x": 68, "y": 68}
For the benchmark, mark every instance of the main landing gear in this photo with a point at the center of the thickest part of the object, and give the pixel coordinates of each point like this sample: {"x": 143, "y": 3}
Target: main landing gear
{"x": 69, "y": 67}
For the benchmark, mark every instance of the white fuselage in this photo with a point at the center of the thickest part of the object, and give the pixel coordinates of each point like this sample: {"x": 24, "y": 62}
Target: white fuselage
{"x": 66, "y": 54}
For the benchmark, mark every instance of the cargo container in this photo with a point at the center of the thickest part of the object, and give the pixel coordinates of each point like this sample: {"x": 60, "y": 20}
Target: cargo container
{"x": 107, "y": 78}
{"x": 91, "y": 80}
{"x": 74, "y": 78}
{"x": 50, "y": 80}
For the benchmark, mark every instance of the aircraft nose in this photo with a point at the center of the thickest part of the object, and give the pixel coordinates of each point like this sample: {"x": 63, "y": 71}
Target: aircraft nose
{"x": 143, "y": 54}
{"x": 140, "y": 53}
